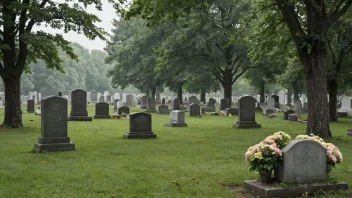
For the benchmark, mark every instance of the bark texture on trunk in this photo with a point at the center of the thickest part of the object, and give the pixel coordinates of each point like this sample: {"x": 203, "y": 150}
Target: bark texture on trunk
{"x": 13, "y": 113}
{"x": 153, "y": 92}
{"x": 289, "y": 95}
{"x": 332, "y": 87}
{"x": 295, "y": 91}
{"x": 179, "y": 92}
{"x": 227, "y": 84}
{"x": 202, "y": 96}
{"x": 262, "y": 91}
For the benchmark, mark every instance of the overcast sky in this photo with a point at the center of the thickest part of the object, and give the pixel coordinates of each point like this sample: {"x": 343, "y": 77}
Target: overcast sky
{"x": 106, "y": 16}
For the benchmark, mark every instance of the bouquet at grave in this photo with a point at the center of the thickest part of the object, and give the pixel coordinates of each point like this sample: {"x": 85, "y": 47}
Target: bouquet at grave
{"x": 334, "y": 156}
{"x": 267, "y": 154}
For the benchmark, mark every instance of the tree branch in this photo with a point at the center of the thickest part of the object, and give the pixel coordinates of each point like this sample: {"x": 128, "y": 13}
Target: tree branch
{"x": 32, "y": 21}
{"x": 241, "y": 73}
{"x": 338, "y": 13}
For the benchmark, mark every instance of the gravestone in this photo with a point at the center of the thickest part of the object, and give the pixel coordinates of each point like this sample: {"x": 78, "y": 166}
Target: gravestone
{"x": 345, "y": 105}
{"x": 194, "y": 110}
{"x": 120, "y": 104}
{"x": 288, "y": 112}
{"x": 175, "y": 104}
{"x": 232, "y": 111}
{"x": 305, "y": 107}
{"x": 101, "y": 99}
{"x": 144, "y": 101}
{"x": 163, "y": 101}
{"x": 292, "y": 117}
{"x": 151, "y": 106}
{"x": 93, "y": 96}
{"x": 53, "y": 126}
{"x": 60, "y": 94}
{"x": 115, "y": 107}
{"x": 246, "y": 117}
{"x": 202, "y": 108}
{"x": 210, "y": 106}
{"x": 224, "y": 104}
{"x": 268, "y": 111}
{"x": 108, "y": 99}
{"x": 298, "y": 107}
{"x": 163, "y": 109}
{"x": 270, "y": 103}
{"x": 140, "y": 126}
{"x": 79, "y": 106}
{"x": 129, "y": 100}
{"x": 304, "y": 161}
{"x": 123, "y": 109}
{"x": 177, "y": 119}
{"x": 102, "y": 111}
{"x": 30, "y": 106}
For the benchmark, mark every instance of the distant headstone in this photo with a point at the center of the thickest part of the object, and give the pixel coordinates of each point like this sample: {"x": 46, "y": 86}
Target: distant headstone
{"x": 345, "y": 105}
{"x": 276, "y": 101}
{"x": 224, "y": 104}
{"x": 305, "y": 107}
{"x": 163, "y": 109}
{"x": 292, "y": 117}
{"x": 140, "y": 126}
{"x": 246, "y": 118}
{"x": 177, "y": 119}
{"x": 129, "y": 100}
{"x": 54, "y": 126}
{"x": 101, "y": 99}
{"x": 268, "y": 111}
{"x": 193, "y": 99}
{"x": 30, "y": 106}
{"x": 176, "y": 104}
{"x": 151, "y": 106}
{"x": 108, "y": 99}
{"x": 163, "y": 101}
{"x": 79, "y": 106}
{"x": 123, "y": 109}
{"x": 60, "y": 93}
{"x": 120, "y": 104}
{"x": 270, "y": 103}
{"x": 102, "y": 111}
{"x": 93, "y": 96}
{"x": 144, "y": 101}
{"x": 304, "y": 161}
{"x": 194, "y": 110}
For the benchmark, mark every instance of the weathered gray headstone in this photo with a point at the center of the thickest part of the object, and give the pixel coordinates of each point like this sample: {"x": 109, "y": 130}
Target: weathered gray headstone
{"x": 232, "y": 111}
{"x": 102, "y": 111}
{"x": 305, "y": 107}
{"x": 270, "y": 103}
{"x": 93, "y": 96}
{"x": 277, "y": 101}
{"x": 30, "y": 106}
{"x": 193, "y": 99}
{"x": 298, "y": 107}
{"x": 304, "y": 161}
{"x": 163, "y": 101}
{"x": 54, "y": 126}
{"x": 246, "y": 118}
{"x": 123, "y": 109}
{"x": 224, "y": 104}
{"x": 177, "y": 119}
{"x": 101, "y": 99}
{"x": 175, "y": 104}
{"x": 151, "y": 106}
{"x": 140, "y": 126}
{"x": 79, "y": 106}
{"x": 129, "y": 100}
{"x": 163, "y": 109}
{"x": 194, "y": 110}
{"x": 292, "y": 117}
{"x": 288, "y": 112}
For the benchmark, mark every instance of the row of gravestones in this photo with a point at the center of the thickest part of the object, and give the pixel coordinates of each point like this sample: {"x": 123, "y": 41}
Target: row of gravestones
{"x": 54, "y": 121}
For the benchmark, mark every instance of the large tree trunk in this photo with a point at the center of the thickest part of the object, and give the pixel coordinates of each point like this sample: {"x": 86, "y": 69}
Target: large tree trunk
{"x": 153, "y": 92}
{"x": 316, "y": 80}
{"x": 179, "y": 92}
{"x": 227, "y": 84}
{"x": 202, "y": 96}
{"x": 332, "y": 88}
{"x": 13, "y": 113}
{"x": 262, "y": 91}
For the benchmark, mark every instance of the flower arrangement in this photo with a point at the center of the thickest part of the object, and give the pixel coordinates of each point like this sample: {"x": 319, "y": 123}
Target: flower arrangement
{"x": 267, "y": 154}
{"x": 334, "y": 156}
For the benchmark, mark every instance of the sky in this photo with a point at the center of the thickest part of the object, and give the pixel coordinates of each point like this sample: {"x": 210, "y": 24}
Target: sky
{"x": 106, "y": 16}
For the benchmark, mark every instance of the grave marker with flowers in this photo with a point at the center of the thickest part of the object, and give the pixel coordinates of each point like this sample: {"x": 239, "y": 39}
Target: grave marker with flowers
{"x": 303, "y": 165}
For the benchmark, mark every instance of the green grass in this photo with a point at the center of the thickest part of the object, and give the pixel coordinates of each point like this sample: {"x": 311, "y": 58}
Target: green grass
{"x": 104, "y": 164}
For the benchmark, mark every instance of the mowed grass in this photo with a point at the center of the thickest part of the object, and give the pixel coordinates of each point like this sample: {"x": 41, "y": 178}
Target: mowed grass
{"x": 202, "y": 159}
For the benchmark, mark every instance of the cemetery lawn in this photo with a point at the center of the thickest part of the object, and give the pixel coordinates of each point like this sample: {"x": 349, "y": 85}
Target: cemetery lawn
{"x": 206, "y": 159}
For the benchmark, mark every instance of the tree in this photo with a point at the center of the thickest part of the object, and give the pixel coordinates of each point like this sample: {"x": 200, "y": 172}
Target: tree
{"x": 20, "y": 45}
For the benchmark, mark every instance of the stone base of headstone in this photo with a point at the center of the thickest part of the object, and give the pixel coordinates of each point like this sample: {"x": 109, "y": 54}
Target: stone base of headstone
{"x": 39, "y": 148}
{"x": 175, "y": 124}
{"x": 292, "y": 118}
{"x": 79, "y": 118}
{"x": 151, "y": 111}
{"x": 264, "y": 190}
{"x": 102, "y": 117}
{"x": 139, "y": 135}
{"x": 246, "y": 125}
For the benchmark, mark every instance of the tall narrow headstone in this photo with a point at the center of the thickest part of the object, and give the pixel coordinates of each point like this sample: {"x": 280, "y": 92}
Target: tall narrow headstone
{"x": 102, "y": 111}
{"x": 140, "y": 126}
{"x": 163, "y": 101}
{"x": 30, "y": 106}
{"x": 194, "y": 110}
{"x": 54, "y": 126}
{"x": 246, "y": 117}
{"x": 79, "y": 106}
{"x": 176, "y": 104}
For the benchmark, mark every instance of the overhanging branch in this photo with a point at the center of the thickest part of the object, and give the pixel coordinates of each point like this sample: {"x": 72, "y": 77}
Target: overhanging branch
{"x": 338, "y": 13}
